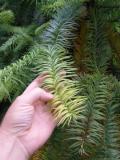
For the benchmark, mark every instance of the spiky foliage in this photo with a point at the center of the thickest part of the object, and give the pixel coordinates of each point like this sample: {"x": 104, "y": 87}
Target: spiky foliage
{"x": 66, "y": 104}
{"x": 18, "y": 40}
{"x": 90, "y": 125}
{"x": 99, "y": 51}
{"x": 53, "y": 36}
{"x": 111, "y": 9}
{"x": 96, "y": 132}
{"x": 62, "y": 28}
{"x": 17, "y": 74}
{"x": 50, "y": 7}
{"x": 51, "y": 59}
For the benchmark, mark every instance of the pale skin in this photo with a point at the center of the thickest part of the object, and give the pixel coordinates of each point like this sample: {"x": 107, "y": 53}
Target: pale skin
{"x": 28, "y": 123}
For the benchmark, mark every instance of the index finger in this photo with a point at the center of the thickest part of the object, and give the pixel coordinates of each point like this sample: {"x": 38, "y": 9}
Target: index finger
{"x": 36, "y": 83}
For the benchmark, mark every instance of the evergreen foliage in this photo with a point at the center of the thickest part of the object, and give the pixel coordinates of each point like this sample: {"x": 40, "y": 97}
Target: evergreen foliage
{"x": 81, "y": 39}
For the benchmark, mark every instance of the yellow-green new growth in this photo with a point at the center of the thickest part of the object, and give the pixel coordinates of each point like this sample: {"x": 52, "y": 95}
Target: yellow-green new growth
{"x": 66, "y": 105}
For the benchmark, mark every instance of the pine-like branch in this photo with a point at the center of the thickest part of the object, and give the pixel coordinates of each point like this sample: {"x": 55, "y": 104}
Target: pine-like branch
{"x": 98, "y": 48}
{"x": 67, "y": 104}
{"x": 20, "y": 38}
{"x": 51, "y": 59}
{"x": 63, "y": 26}
{"x": 96, "y": 133}
{"x": 15, "y": 75}
{"x": 88, "y": 132}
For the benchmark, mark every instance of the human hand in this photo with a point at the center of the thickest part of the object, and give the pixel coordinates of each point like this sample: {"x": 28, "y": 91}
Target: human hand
{"x": 29, "y": 119}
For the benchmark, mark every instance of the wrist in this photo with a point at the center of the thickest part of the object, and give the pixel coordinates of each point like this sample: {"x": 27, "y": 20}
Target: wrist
{"x": 11, "y": 148}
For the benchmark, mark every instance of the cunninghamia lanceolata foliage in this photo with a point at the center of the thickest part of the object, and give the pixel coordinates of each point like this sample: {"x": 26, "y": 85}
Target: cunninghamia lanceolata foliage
{"x": 63, "y": 26}
{"x": 93, "y": 104}
{"x": 98, "y": 47}
{"x": 50, "y": 7}
{"x": 14, "y": 76}
{"x": 97, "y": 128}
{"x": 67, "y": 105}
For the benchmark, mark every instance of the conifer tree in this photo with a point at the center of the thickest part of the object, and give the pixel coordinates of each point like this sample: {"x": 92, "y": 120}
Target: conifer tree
{"x": 81, "y": 38}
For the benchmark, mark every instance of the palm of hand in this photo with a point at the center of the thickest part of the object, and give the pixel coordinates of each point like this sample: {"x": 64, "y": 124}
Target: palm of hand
{"x": 29, "y": 118}
{"x": 42, "y": 127}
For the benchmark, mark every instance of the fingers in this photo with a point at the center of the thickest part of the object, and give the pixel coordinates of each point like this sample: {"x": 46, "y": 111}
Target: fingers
{"x": 39, "y": 80}
{"x": 36, "y": 83}
{"x": 33, "y": 92}
{"x": 35, "y": 95}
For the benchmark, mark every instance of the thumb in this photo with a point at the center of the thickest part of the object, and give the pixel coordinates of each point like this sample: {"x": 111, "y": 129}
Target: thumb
{"x": 37, "y": 94}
